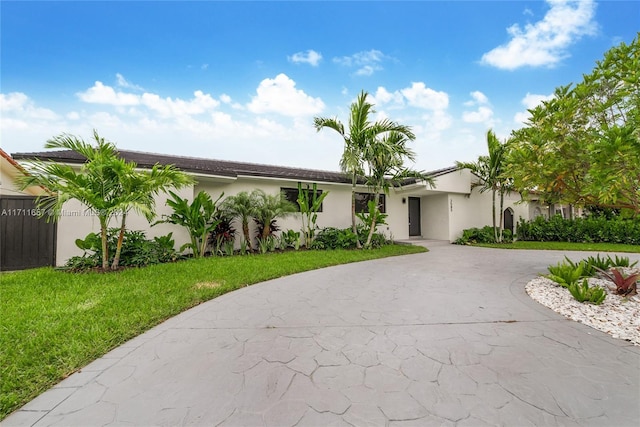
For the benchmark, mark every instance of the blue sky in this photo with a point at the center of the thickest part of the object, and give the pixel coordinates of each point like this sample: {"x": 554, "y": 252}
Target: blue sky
{"x": 238, "y": 80}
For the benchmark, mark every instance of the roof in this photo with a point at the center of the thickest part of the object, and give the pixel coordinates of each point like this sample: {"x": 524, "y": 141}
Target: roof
{"x": 212, "y": 167}
{"x": 14, "y": 169}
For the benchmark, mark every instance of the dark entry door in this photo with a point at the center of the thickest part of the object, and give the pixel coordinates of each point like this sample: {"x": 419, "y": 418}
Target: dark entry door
{"x": 26, "y": 241}
{"x": 508, "y": 220}
{"x": 414, "y": 217}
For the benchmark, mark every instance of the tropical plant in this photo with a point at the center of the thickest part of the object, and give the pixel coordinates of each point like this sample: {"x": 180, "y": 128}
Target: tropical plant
{"x": 335, "y": 238}
{"x": 598, "y": 263}
{"x": 361, "y": 133}
{"x": 95, "y": 184}
{"x": 564, "y": 274}
{"x": 266, "y": 244}
{"x": 384, "y": 157}
{"x": 588, "y": 270}
{"x": 370, "y": 220}
{"x": 224, "y": 231}
{"x": 290, "y": 239}
{"x": 625, "y": 285}
{"x": 105, "y": 183}
{"x": 137, "y": 191}
{"x": 622, "y": 261}
{"x": 198, "y": 217}
{"x": 584, "y": 293}
{"x": 310, "y": 202}
{"x": 490, "y": 172}
{"x": 267, "y": 208}
{"x": 241, "y": 206}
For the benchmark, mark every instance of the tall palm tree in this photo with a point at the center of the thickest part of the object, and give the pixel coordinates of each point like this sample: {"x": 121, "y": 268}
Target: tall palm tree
{"x": 361, "y": 133}
{"x": 490, "y": 170}
{"x": 242, "y": 207}
{"x": 384, "y": 158}
{"x": 93, "y": 184}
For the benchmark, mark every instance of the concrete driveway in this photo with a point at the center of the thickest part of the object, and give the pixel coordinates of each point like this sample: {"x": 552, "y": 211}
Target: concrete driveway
{"x": 447, "y": 337}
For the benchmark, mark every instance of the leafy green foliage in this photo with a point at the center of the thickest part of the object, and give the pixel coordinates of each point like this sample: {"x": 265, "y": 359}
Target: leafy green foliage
{"x": 582, "y": 146}
{"x": 599, "y": 263}
{"x": 290, "y": 239}
{"x": 588, "y": 230}
{"x": 625, "y": 285}
{"x": 371, "y": 220}
{"x": 622, "y": 261}
{"x": 310, "y": 202}
{"x": 241, "y": 207}
{"x": 474, "y": 235}
{"x": 583, "y": 293}
{"x": 588, "y": 270}
{"x": 137, "y": 250}
{"x": 199, "y": 218}
{"x": 564, "y": 273}
{"x": 335, "y": 238}
{"x": 267, "y": 208}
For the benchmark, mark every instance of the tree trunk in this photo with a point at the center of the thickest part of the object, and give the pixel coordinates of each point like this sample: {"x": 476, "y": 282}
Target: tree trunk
{"x": 105, "y": 248}
{"x": 500, "y": 235}
{"x": 116, "y": 257}
{"x": 373, "y": 222}
{"x": 493, "y": 216}
{"x": 353, "y": 214}
{"x": 245, "y": 231}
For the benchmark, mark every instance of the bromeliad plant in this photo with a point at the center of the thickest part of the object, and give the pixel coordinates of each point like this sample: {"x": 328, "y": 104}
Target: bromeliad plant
{"x": 566, "y": 273}
{"x": 583, "y": 293}
{"x": 625, "y": 285}
{"x": 198, "y": 217}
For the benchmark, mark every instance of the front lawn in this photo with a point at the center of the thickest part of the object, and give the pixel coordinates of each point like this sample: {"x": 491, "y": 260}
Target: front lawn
{"x": 54, "y": 323}
{"x": 564, "y": 246}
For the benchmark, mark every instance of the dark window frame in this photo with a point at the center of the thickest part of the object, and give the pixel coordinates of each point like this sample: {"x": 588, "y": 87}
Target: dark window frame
{"x": 291, "y": 194}
{"x": 362, "y": 200}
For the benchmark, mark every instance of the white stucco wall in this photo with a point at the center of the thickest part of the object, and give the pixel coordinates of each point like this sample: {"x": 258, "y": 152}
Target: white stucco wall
{"x": 435, "y": 216}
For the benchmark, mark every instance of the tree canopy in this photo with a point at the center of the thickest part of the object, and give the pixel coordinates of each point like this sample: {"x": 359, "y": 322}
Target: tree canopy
{"x": 582, "y": 146}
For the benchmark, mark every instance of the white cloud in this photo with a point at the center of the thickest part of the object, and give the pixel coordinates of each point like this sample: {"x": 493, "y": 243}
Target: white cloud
{"x": 122, "y": 82}
{"x": 279, "y": 95}
{"x": 225, "y": 98}
{"x": 545, "y": 43}
{"x": 310, "y": 57}
{"x": 530, "y": 101}
{"x": 367, "y": 62}
{"x": 383, "y": 96}
{"x": 418, "y": 95}
{"x": 18, "y": 105}
{"x": 482, "y": 115}
{"x": 168, "y": 107}
{"x": 101, "y": 94}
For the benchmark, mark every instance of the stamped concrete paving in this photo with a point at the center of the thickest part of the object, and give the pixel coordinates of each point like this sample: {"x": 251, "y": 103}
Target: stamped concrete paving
{"x": 443, "y": 338}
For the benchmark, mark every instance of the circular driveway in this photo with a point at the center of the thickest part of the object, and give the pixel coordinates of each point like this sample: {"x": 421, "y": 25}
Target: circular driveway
{"x": 447, "y": 337}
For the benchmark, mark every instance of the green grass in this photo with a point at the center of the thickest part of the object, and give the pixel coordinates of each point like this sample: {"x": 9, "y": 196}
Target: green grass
{"x": 53, "y": 323}
{"x": 565, "y": 246}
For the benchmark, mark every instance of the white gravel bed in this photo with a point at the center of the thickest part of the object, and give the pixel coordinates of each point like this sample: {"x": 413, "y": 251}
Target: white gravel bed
{"x": 617, "y": 316}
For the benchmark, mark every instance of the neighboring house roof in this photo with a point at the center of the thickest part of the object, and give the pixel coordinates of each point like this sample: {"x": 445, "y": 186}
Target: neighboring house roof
{"x": 14, "y": 169}
{"x": 211, "y": 166}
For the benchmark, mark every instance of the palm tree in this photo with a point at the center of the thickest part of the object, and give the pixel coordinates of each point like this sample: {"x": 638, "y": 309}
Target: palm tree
{"x": 490, "y": 171}
{"x": 138, "y": 189}
{"x": 268, "y": 207}
{"x": 94, "y": 184}
{"x": 241, "y": 206}
{"x": 385, "y": 158}
{"x": 361, "y": 133}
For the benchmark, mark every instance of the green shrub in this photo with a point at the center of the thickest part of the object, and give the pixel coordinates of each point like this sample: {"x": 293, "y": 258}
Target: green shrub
{"x": 335, "y": 238}
{"x": 583, "y": 293}
{"x": 137, "y": 250}
{"x": 594, "y": 229}
{"x": 477, "y": 235}
{"x": 599, "y": 263}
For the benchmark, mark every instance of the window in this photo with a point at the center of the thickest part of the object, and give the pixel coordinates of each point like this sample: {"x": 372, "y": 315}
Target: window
{"x": 291, "y": 194}
{"x": 362, "y": 200}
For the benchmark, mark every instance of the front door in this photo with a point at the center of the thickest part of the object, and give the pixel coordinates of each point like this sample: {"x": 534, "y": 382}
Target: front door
{"x": 414, "y": 217}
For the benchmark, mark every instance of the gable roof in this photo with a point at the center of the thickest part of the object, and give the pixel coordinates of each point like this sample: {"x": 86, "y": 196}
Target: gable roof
{"x": 214, "y": 167}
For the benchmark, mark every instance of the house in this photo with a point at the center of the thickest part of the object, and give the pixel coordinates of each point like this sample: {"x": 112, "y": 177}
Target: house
{"x": 415, "y": 210}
